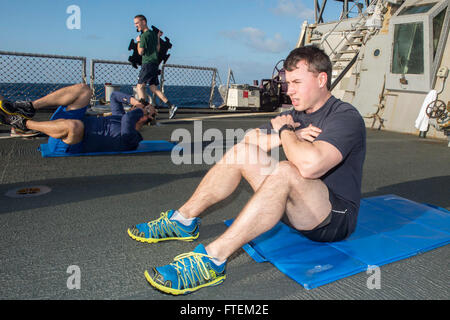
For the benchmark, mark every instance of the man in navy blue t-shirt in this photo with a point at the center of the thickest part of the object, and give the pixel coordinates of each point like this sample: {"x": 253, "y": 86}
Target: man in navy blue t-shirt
{"x": 70, "y": 131}
{"x": 316, "y": 191}
{"x": 344, "y": 131}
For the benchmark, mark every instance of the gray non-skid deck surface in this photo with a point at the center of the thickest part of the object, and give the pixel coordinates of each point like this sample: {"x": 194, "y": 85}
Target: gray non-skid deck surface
{"x": 83, "y": 222}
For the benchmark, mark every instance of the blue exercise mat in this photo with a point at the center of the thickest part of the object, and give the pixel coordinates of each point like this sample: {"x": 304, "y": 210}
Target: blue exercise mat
{"x": 390, "y": 228}
{"x": 144, "y": 146}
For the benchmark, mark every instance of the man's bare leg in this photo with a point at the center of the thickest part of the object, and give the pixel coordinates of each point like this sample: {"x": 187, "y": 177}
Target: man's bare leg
{"x": 154, "y": 89}
{"x": 305, "y": 202}
{"x": 69, "y": 131}
{"x": 140, "y": 88}
{"x": 222, "y": 179}
{"x": 19, "y": 114}
{"x": 172, "y": 108}
{"x": 74, "y": 97}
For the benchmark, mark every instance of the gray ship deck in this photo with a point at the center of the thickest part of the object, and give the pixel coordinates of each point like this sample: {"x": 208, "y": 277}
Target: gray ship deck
{"x": 93, "y": 200}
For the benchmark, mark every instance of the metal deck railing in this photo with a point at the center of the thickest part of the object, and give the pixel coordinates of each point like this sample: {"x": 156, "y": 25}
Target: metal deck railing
{"x": 29, "y": 76}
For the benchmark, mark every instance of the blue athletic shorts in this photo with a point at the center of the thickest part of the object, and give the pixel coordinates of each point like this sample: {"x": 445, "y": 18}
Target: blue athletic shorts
{"x": 338, "y": 225}
{"x": 57, "y": 145}
{"x": 149, "y": 74}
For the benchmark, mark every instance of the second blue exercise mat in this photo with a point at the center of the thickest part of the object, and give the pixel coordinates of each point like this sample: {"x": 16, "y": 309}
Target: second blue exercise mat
{"x": 144, "y": 146}
{"x": 390, "y": 228}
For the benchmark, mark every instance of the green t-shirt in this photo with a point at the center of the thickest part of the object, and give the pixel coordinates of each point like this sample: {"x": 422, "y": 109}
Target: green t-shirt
{"x": 149, "y": 41}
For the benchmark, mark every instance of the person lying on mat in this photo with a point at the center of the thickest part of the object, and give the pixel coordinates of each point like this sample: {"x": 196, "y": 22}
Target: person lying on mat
{"x": 316, "y": 191}
{"x": 70, "y": 131}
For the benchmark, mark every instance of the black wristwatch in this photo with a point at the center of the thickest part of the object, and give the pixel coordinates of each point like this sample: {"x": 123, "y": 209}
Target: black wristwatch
{"x": 285, "y": 127}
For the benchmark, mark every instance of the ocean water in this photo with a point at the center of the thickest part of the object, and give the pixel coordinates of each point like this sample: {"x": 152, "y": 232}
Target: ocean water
{"x": 182, "y": 96}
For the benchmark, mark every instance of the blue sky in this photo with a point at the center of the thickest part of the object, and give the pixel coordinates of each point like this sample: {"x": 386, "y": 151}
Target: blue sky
{"x": 248, "y": 36}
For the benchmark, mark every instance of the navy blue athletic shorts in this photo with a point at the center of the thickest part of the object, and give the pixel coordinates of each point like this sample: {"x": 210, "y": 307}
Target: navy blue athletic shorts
{"x": 338, "y": 225}
{"x": 149, "y": 74}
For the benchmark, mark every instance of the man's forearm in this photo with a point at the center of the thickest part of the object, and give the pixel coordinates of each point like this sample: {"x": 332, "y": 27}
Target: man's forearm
{"x": 133, "y": 101}
{"x": 136, "y": 104}
{"x": 263, "y": 139}
{"x": 303, "y": 154}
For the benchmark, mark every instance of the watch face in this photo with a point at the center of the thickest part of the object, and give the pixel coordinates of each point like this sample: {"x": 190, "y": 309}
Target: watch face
{"x": 286, "y": 127}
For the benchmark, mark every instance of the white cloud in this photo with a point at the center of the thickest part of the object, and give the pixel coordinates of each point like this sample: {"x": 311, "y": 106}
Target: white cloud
{"x": 257, "y": 39}
{"x": 294, "y": 8}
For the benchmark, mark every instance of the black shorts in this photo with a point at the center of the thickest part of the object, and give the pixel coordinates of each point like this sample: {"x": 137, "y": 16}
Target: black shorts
{"x": 338, "y": 225}
{"x": 149, "y": 74}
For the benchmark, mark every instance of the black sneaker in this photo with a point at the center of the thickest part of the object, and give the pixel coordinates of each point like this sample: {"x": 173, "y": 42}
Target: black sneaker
{"x": 14, "y": 120}
{"x": 172, "y": 111}
{"x": 23, "y": 109}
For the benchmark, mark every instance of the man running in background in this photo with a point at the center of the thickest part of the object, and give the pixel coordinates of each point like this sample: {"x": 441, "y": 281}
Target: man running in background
{"x": 70, "y": 131}
{"x": 148, "y": 47}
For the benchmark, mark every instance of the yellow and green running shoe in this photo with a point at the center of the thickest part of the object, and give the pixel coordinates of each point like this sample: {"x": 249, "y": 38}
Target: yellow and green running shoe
{"x": 188, "y": 272}
{"x": 163, "y": 229}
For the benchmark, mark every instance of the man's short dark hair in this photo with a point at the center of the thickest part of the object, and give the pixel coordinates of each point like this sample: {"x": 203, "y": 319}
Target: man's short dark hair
{"x": 316, "y": 59}
{"x": 142, "y": 17}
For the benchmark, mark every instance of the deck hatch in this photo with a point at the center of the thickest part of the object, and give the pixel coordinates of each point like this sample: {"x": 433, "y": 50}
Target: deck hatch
{"x": 27, "y": 192}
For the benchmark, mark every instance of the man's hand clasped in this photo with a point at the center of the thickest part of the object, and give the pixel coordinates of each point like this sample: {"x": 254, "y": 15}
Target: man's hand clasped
{"x": 151, "y": 111}
{"x": 148, "y": 110}
{"x": 310, "y": 133}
